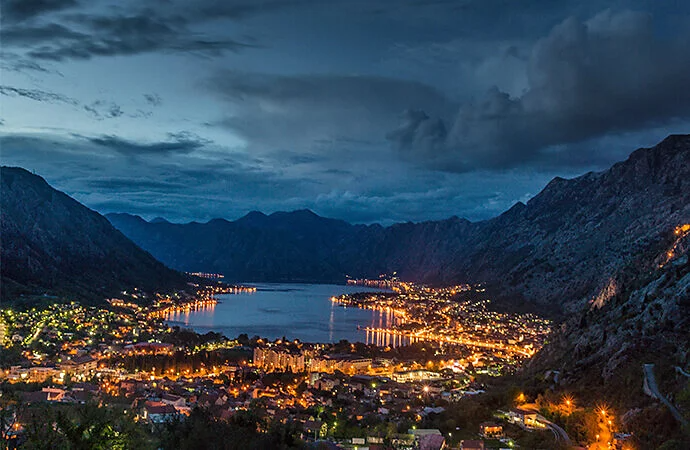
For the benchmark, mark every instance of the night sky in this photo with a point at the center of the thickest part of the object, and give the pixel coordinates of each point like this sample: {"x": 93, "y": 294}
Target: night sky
{"x": 368, "y": 111}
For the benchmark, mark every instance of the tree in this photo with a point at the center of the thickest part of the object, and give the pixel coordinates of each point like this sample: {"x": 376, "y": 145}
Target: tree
{"x": 83, "y": 427}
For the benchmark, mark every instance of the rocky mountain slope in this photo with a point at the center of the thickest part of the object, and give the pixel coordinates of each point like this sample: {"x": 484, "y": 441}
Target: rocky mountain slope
{"x": 647, "y": 313}
{"x": 53, "y": 244}
{"x": 605, "y": 352}
{"x": 561, "y": 248}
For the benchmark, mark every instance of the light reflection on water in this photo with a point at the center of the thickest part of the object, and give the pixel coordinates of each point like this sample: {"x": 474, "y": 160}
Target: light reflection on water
{"x": 294, "y": 311}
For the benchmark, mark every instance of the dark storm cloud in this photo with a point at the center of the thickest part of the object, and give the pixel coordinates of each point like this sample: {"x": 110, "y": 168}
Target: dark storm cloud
{"x": 86, "y": 35}
{"x": 306, "y": 125}
{"x": 125, "y": 35}
{"x": 19, "y": 10}
{"x": 275, "y": 110}
{"x": 148, "y": 26}
{"x": 37, "y": 95}
{"x": 179, "y": 143}
{"x": 420, "y": 132}
{"x": 610, "y": 74}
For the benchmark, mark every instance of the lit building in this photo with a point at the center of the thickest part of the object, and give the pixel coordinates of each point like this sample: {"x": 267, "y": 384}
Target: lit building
{"x": 490, "y": 430}
{"x": 278, "y": 360}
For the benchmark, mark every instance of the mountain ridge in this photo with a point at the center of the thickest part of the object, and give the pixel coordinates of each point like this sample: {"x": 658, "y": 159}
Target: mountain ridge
{"x": 53, "y": 244}
{"x": 590, "y": 225}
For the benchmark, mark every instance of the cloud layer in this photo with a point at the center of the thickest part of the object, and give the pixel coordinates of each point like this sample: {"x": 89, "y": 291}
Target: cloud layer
{"x": 367, "y": 111}
{"x": 299, "y": 110}
{"x": 586, "y": 79}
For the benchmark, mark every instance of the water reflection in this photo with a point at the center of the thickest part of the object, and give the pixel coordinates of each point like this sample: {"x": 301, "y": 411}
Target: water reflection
{"x": 296, "y": 311}
{"x": 182, "y": 316}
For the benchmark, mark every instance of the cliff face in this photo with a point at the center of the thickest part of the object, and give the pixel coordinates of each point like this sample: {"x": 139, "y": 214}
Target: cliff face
{"x": 559, "y": 250}
{"x": 53, "y": 244}
{"x": 643, "y": 317}
{"x": 568, "y": 241}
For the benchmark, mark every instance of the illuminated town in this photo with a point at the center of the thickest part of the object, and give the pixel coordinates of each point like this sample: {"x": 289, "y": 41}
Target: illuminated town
{"x": 431, "y": 353}
{"x": 419, "y": 313}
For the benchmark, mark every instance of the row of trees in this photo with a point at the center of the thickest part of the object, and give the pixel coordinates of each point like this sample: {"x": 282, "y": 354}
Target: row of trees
{"x": 90, "y": 427}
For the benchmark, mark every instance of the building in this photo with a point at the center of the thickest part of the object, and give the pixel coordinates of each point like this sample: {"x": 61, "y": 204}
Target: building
{"x": 491, "y": 430}
{"x": 428, "y": 439}
{"x": 344, "y": 363}
{"x": 354, "y": 364}
{"x": 315, "y": 428}
{"x": 80, "y": 365}
{"x": 524, "y": 418}
{"x": 471, "y": 445}
{"x": 326, "y": 383}
{"x": 279, "y": 359}
{"x": 410, "y": 376}
{"x": 174, "y": 400}
{"x": 44, "y": 395}
{"x": 36, "y": 374}
{"x": 158, "y": 412}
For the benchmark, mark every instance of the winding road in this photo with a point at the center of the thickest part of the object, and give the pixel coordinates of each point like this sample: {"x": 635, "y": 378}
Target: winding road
{"x": 558, "y": 432}
{"x": 682, "y": 372}
{"x": 652, "y": 389}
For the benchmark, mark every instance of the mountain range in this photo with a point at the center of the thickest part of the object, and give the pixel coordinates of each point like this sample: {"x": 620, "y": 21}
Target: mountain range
{"x": 52, "y": 244}
{"x": 558, "y": 251}
{"x": 605, "y": 253}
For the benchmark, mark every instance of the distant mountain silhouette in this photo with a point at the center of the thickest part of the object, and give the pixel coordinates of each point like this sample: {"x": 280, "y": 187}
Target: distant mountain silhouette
{"x": 558, "y": 250}
{"x": 52, "y": 244}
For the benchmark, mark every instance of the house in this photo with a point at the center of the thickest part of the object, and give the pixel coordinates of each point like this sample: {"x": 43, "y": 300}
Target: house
{"x": 490, "y": 430}
{"x": 54, "y": 394}
{"x": 44, "y": 395}
{"x": 326, "y": 383}
{"x": 429, "y": 410}
{"x": 158, "y": 412}
{"x": 129, "y": 387}
{"x": 174, "y": 400}
{"x": 432, "y": 442}
{"x": 80, "y": 365}
{"x": 471, "y": 445}
{"x": 409, "y": 376}
{"x": 36, "y": 374}
{"x": 428, "y": 438}
{"x": 315, "y": 428}
{"x": 524, "y": 418}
